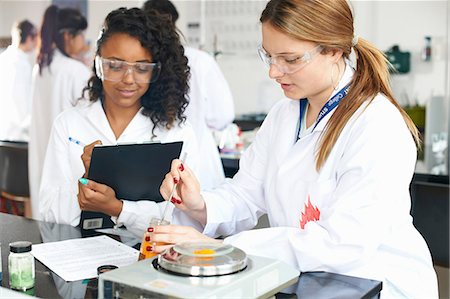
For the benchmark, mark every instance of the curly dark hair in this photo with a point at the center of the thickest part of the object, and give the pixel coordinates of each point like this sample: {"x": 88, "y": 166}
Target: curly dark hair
{"x": 166, "y": 99}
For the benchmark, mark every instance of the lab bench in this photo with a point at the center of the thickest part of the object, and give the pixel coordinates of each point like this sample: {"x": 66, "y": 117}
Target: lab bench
{"x": 430, "y": 211}
{"x": 49, "y": 285}
{"x": 248, "y": 122}
{"x": 230, "y": 164}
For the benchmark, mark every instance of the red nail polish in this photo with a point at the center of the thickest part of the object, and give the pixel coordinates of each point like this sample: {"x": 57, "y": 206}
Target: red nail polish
{"x": 150, "y": 229}
{"x": 147, "y": 238}
{"x": 173, "y": 200}
{"x": 181, "y": 167}
{"x": 179, "y": 201}
{"x": 175, "y": 180}
{"x": 148, "y": 248}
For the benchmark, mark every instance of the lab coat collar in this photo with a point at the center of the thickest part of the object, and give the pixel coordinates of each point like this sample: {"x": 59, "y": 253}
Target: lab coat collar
{"x": 139, "y": 122}
{"x": 346, "y": 78}
{"x": 17, "y": 51}
{"x": 97, "y": 118}
{"x": 58, "y": 53}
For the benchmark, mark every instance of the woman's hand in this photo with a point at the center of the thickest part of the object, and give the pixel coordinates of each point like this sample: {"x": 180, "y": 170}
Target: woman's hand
{"x": 187, "y": 194}
{"x": 87, "y": 154}
{"x": 98, "y": 197}
{"x": 165, "y": 236}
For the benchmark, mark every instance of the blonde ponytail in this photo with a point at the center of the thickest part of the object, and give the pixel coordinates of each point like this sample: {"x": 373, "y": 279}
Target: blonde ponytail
{"x": 371, "y": 78}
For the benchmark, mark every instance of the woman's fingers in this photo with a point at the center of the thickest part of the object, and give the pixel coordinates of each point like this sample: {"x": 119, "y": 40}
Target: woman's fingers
{"x": 167, "y": 185}
{"x": 179, "y": 170}
{"x": 87, "y": 153}
{"x": 171, "y": 178}
{"x": 93, "y": 193}
{"x": 174, "y": 234}
{"x": 168, "y": 229}
{"x": 179, "y": 174}
{"x": 158, "y": 248}
{"x": 187, "y": 176}
{"x": 94, "y": 186}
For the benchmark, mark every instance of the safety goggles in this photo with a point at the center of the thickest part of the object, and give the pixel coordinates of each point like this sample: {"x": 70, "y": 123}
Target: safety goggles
{"x": 116, "y": 70}
{"x": 288, "y": 64}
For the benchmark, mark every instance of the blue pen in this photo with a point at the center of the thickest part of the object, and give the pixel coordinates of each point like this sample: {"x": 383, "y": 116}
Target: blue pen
{"x": 76, "y": 141}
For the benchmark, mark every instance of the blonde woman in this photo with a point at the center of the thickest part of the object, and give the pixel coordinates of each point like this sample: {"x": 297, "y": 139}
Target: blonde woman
{"x": 331, "y": 166}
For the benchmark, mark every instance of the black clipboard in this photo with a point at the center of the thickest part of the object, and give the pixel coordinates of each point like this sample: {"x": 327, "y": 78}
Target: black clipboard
{"x": 134, "y": 171}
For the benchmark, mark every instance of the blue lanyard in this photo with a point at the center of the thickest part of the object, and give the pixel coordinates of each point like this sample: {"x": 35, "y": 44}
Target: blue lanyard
{"x": 327, "y": 108}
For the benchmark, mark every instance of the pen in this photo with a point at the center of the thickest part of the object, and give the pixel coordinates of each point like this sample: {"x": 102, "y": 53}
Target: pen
{"x": 76, "y": 141}
{"x": 183, "y": 159}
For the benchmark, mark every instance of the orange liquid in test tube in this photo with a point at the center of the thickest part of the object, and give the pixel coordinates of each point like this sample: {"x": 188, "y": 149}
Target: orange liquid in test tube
{"x": 146, "y": 250}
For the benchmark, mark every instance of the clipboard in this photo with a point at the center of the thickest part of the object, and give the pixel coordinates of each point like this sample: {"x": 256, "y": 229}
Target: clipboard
{"x": 133, "y": 171}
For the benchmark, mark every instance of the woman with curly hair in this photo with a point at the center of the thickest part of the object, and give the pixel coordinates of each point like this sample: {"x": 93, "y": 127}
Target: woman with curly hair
{"x": 138, "y": 94}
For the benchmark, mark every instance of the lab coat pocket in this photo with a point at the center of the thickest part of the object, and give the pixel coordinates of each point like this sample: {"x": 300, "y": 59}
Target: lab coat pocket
{"x": 318, "y": 195}
{"x": 321, "y": 192}
{"x": 291, "y": 194}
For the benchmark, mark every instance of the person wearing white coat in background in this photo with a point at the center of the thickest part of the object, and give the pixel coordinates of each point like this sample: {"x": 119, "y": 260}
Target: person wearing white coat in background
{"x": 58, "y": 82}
{"x": 135, "y": 96}
{"x": 15, "y": 82}
{"x": 211, "y": 105}
{"x": 210, "y": 108}
{"x": 331, "y": 165}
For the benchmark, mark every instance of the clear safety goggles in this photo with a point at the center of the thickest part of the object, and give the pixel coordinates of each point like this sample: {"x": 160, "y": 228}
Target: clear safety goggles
{"x": 288, "y": 64}
{"x": 116, "y": 70}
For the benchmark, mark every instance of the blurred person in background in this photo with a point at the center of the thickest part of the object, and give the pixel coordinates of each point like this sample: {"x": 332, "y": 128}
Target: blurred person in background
{"x": 210, "y": 101}
{"x": 15, "y": 82}
{"x": 58, "y": 82}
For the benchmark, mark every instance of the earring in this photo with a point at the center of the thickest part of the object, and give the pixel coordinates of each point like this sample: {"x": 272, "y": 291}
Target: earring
{"x": 334, "y": 85}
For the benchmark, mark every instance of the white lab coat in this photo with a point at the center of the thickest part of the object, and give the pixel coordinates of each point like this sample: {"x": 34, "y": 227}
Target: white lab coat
{"x": 364, "y": 227}
{"x": 63, "y": 165}
{"x": 15, "y": 100}
{"x": 58, "y": 88}
{"x": 210, "y": 107}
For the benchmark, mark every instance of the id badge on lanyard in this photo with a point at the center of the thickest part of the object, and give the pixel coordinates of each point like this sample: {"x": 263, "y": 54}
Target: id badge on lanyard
{"x": 327, "y": 108}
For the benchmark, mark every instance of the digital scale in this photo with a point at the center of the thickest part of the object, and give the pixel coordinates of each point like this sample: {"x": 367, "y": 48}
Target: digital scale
{"x": 199, "y": 270}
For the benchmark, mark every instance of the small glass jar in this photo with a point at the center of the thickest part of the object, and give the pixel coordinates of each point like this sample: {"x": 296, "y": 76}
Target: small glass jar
{"x": 21, "y": 266}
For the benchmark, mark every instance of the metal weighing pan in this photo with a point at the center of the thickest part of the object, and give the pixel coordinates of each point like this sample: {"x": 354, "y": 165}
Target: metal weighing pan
{"x": 203, "y": 259}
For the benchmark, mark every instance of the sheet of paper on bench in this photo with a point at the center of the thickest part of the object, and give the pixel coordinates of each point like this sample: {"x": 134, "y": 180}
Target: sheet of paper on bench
{"x": 78, "y": 259}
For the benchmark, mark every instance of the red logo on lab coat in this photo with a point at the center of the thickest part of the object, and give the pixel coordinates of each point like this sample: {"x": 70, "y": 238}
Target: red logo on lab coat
{"x": 311, "y": 214}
